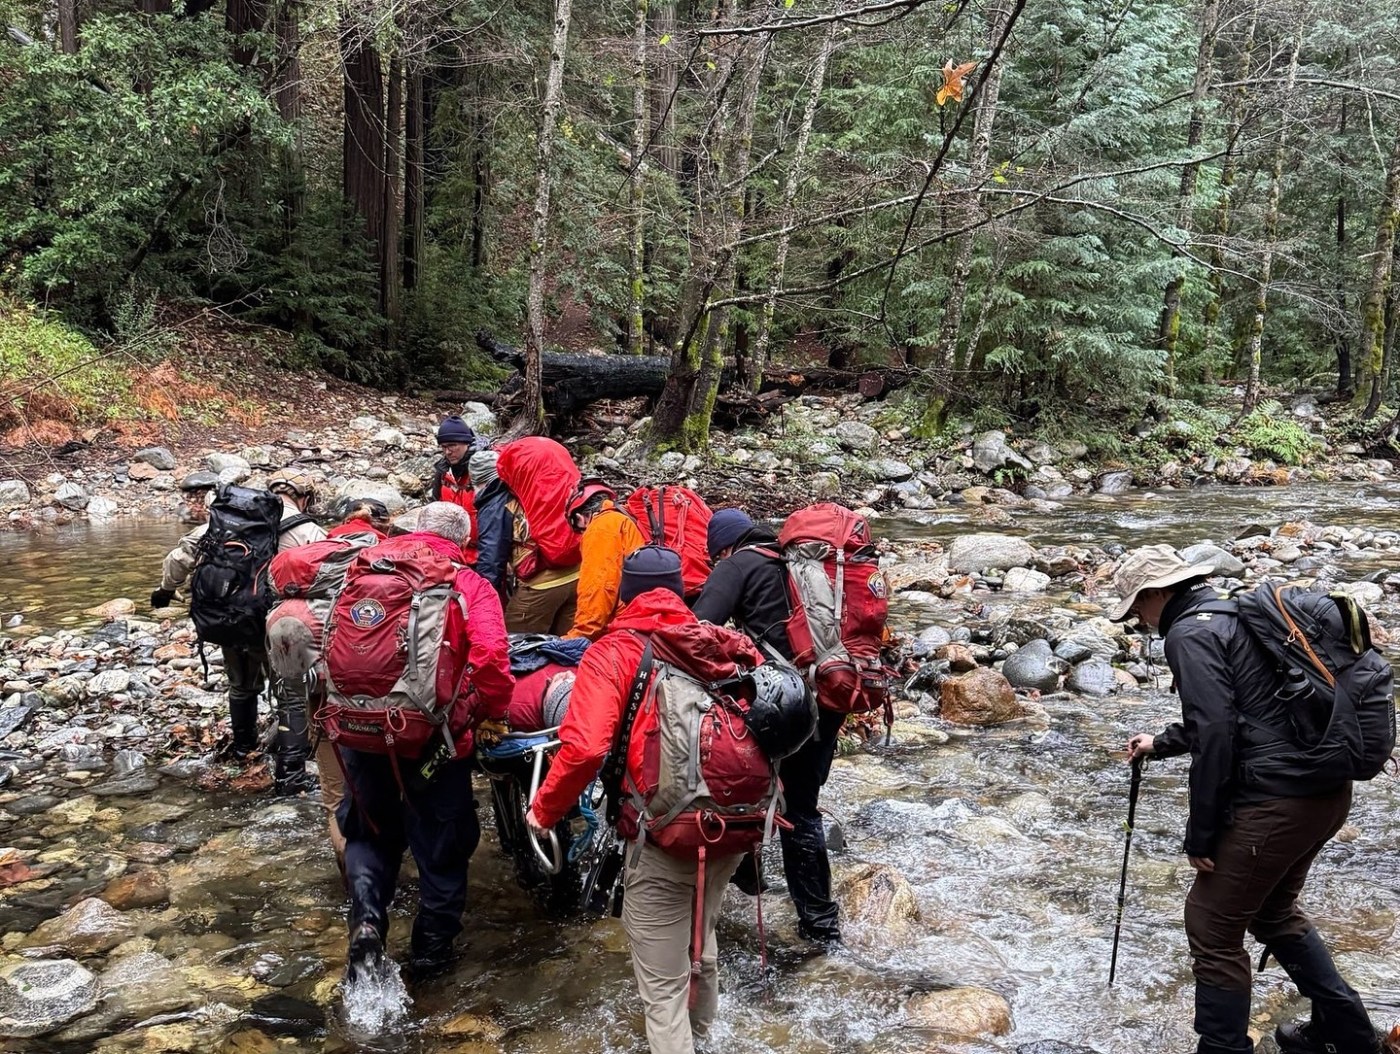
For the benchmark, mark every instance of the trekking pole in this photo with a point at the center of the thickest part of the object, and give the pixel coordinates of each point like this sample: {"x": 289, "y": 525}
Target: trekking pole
{"x": 1127, "y": 845}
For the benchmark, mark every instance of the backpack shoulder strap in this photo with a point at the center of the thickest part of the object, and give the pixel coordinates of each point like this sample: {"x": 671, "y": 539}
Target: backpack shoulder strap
{"x": 291, "y": 523}
{"x": 616, "y": 767}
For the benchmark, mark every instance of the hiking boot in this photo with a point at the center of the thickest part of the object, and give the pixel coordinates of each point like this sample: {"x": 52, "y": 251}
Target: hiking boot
{"x": 366, "y": 957}
{"x": 829, "y": 937}
{"x": 746, "y": 878}
{"x": 1302, "y": 1037}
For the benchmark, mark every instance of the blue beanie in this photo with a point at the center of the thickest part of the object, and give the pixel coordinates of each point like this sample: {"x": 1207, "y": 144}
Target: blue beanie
{"x": 650, "y": 567}
{"x": 727, "y": 526}
{"x": 455, "y": 430}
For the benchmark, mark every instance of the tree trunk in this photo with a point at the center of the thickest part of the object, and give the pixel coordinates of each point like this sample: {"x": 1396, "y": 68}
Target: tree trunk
{"x": 1228, "y": 168}
{"x": 1169, "y": 325}
{"x": 481, "y": 167}
{"x": 636, "y": 334}
{"x": 364, "y": 130}
{"x": 1346, "y": 384}
{"x": 287, "y": 93}
{"x": 241, "y": 18}
{"x": 1373, "y": 313}
{"x": 665, "y": 85}
{"x": 389, "y": 279}
{"x": 414, "y": 134}
{"x": 753, "y": 375}
{"x": 1255, "y": 347}
{"x": 68, "y": 26}
{"x": 531, "y": 418}
{"x": 978, "y": 168}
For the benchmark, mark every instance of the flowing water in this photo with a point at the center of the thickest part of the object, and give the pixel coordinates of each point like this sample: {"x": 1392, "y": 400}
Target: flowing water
{"x": 1011, "y": 840}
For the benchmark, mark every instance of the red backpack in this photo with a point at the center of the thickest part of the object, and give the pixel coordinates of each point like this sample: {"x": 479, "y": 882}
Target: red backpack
{"x": 306, "y": 580}
{"x": 677, "y": 518}
{"x": 542, "y": 476}
{"x": 839, "y": 608}
{"x": 395, "y": 651}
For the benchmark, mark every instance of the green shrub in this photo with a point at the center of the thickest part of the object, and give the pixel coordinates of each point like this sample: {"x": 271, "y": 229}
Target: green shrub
{"x": 1268, "y": 433}
{"x": 52, "y": 370}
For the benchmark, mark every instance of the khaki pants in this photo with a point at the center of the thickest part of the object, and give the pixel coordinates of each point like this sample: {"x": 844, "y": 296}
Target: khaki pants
{"x": 547, "y": 610}
{"x": 657, "y": 913}
{"x": 332, "y": 792}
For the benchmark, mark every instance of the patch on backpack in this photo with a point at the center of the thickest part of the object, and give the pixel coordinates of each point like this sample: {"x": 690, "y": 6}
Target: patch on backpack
{"x": 1204, "y": 616}
{"x": 367, "y": 614}
{"x": 878, "y": 586}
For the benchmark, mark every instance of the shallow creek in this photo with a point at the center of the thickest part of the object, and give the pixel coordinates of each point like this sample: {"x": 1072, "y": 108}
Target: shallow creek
{"x": 1011, "y": 840}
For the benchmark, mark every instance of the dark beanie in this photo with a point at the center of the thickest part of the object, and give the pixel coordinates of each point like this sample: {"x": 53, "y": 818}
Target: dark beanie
{"x": 650, "y": 567}
{"x": 727, "y": 526}
{"x": 455, "y": 430}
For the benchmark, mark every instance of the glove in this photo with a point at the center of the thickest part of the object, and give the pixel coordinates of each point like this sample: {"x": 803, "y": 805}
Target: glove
{"x": 161, "y": 598}
{"x": 489, "y": 733}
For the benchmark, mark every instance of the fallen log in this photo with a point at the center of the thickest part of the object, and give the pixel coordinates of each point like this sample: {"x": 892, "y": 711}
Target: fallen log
{"x": 572, "y": 381}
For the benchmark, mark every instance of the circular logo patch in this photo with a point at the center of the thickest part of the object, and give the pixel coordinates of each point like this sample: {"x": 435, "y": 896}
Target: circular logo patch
{"x": 367, "y": 614}
{"x": 878, "y": 586}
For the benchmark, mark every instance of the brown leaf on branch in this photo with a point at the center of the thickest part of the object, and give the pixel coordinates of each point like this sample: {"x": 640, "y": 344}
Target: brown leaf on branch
{"x": 953, "y": 78}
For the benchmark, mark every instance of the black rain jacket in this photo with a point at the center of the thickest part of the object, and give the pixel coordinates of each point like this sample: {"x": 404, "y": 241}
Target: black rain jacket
{"x": 750, "y": 587}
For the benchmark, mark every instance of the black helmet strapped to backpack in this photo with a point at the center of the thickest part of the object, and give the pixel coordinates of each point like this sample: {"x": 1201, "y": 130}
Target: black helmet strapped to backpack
{"x": 783, "y": 713}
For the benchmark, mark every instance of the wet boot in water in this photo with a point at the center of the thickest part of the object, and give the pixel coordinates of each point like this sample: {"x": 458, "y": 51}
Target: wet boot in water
{"x": 366, "y": 957}
{"x": 243, "y": 720}
{"x": 1339, "y": 1024}
{"x": 1222, "y": 1021}
{"x": 746, "y": 878}
{"x": 291, "y": 748}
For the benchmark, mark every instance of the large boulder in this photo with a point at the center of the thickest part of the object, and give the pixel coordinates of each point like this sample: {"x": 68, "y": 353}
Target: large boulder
{"x": 1115, "y": 482}
{"x": 990, "y": 452}
{"x": 229, "y": 465}
{"x": 980, "y": 697}
{"x": 39, "y": 996}
{"x": 1025, "y": 580}
{"x": 480, "y": 418}
{"x": 89, "y": 927}
{"x": 1094, "y": 677}
{"x": 14, "y": 492}
{"x": 879, "y": 901}
{"x": 373, "y": 489}
{"x": 1225, "y": 563}
{"x": 855, "y": 436}
{"x": 1033, "y": 666}
{"x": 157, "y": 457}
{"x": 960, "y": 1011}
{"x": 980, "y": 552}
{"x": 72, "y": 497}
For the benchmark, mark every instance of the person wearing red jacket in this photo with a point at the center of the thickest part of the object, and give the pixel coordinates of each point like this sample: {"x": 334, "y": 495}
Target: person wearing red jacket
{"x": 426, "y": 806}
{"x": 658, "y": 906}
{"x": 452, "y": 481}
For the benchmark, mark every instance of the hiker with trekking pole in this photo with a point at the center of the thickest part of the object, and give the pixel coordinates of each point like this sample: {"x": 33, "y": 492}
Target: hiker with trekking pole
{"x": 1283, "y": 702}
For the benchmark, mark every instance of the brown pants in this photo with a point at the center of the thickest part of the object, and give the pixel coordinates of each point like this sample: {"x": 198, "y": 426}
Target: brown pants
{"x": 547, "y": 610}
{"x": 1261, "y": 864}
{"x": 658, "y": 909}
{"x": 332, "y": 793}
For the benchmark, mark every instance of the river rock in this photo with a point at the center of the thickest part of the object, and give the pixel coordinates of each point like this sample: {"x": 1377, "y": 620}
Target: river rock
{"x": 372, "y": 489}
{"x": 146, "y": 984}
{"x": 64, "y": 691}
{"x": 40, "y": 996}
{"x": 1025, "y": 580}
{"x": 223, "y": 464}
{"x": 109, "y": 682}
{"x": 855, "y": 436}
{"x": 961, "y": 1011}
{"x": 89, "y": 927}
{"x": 1042, "y": 453}
{"x": 888, "y": 468}
{"x": 990, "y": 452}
{"x": 880, "y": 901}
{"x": 72, "y": 496}
{"x": 1033, "y": 666}
{"x": 981, "y": 697}
{"x": 479, "y": 418}
{"x": 1094, "y": 677}
{"x": 980, "y": 552}
{"x": 958, "y": 656}
{"x": 157, "y": 457}
{"x": 1367, "y": 593}
{"x": 1225, "y": 563}
{"x": 930, "y": 640}
{"x": 100, "y": 509}
{"x": 1233, "y": 469}
{"x": 138, "y": 889}
{"x": 14, "y": 492}
{"x": 1115, "y": 482}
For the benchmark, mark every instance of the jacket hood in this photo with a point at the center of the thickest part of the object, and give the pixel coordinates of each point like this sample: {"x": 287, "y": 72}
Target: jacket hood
{"x": 708, "y": 652}
{"x": 437, "y": 543}
{"x": 759, "y": 534}
{"x": 653, "y": 610}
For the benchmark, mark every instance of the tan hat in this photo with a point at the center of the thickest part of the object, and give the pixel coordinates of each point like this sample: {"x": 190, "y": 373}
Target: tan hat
{"x": 302, "y": 484}
{"x": 1151, "y": 567}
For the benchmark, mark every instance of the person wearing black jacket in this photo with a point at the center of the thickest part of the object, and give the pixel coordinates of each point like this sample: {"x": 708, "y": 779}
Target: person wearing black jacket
{"x": 1255, "y": 823}
{"x": 749, "y": 587}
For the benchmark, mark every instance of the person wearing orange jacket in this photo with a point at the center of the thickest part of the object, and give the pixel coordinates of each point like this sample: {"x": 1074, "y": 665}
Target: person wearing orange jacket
{"x": 452, "y": 481}
{"x": 609, "y": 536}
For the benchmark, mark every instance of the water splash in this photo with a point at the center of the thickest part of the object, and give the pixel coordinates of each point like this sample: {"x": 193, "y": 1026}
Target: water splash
{"x": 375, "y": 1001}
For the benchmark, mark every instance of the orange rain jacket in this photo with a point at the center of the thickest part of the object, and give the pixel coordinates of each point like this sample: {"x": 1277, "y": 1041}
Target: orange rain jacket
{"x": 607, "y": 541}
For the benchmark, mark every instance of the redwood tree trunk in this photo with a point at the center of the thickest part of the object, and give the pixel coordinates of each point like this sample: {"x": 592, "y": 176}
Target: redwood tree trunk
{"x": 364, "y": 132}
{"x": 68, "y": 26}
{"x": 665, "y": 84}
{"x": 1372, "y": 385}
{"x": 414, "y": 132}
{"x": 389, "y": 299}
{"x": 636, "y": 334}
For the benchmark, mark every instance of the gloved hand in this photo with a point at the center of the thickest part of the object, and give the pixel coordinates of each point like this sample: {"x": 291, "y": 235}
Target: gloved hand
{"x": 161, "y": 598}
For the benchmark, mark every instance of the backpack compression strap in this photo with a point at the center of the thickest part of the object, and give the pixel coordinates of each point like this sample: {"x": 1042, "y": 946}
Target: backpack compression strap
{"x": 291, "y": 523}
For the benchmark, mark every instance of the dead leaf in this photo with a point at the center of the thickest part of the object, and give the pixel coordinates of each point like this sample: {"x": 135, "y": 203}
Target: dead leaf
{"x": 953, "y": 77}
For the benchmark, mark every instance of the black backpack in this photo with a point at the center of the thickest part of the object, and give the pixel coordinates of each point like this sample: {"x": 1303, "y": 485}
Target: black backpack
{"x": 227, "y": 603}
{"x": 1338, "y": 689}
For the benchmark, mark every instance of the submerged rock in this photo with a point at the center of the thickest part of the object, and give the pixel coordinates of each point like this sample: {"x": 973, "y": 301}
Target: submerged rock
{"x": 1094, "y": 677}
{"x": 980, "y": 552}
{"x": 961, "y": 1011}
{"x": 982, "y": 697}
{"x": 139, "y": 889}
{"x": 1033, "y": 666}
{"x": 89, "y": 927}
{"x": 878, "y": 899}
{"x": 41, "y": 996}
{"x": 1210, "y": 553}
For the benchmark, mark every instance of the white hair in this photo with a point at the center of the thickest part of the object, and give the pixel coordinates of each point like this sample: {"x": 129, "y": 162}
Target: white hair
{"x": 446, "y": 521}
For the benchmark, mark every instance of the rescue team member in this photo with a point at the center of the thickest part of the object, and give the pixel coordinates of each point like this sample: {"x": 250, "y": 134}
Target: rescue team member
{"x": 1251, "y": 838}
{"x": 434, "y": 818}
{"x": 452, "y": 481}
{"x": 609, "y": 535}
{"x": 244, "y": 667}
{"x": 749, "y": 587}
{"x": 659, "y": 889}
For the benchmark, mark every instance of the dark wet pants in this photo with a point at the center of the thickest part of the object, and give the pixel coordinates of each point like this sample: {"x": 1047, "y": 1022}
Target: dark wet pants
{"x": 1261, "y": 864}
{"x": 245, "y": 670}
{"x": 435, "y": 820}
{"x": 805, "y": 863}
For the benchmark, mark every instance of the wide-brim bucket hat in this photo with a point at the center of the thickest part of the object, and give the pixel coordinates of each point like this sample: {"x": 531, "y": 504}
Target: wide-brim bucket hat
{"x": 1152, "y": 567}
